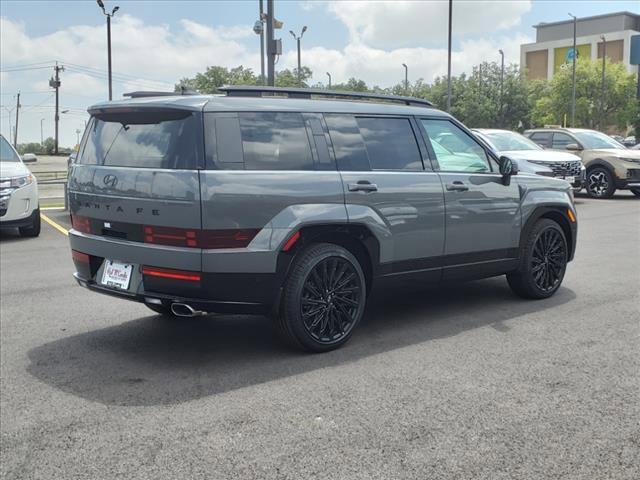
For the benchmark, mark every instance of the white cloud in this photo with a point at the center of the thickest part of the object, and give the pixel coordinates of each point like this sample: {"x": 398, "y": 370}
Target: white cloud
{"x": 384, "y": 67}
{"x": 398, "y": 23}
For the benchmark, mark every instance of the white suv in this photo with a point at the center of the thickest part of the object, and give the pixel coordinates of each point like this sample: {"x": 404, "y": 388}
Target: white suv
{"x": 18, "y": 193}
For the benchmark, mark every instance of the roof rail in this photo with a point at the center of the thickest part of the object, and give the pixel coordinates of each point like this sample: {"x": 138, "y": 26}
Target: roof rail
{"x": 150, "y": 93}
{"x": 258, "y": 91}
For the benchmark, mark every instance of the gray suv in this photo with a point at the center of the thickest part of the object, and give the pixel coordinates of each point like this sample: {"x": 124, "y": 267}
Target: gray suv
{"x": 295, "y": 203}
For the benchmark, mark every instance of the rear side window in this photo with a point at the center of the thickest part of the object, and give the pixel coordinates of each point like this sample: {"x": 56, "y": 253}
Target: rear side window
{"x": 144, "y": 139}
{"x": 373, "y": 143}
{"x": 541, "y": 138}
{"x": 390, "y": 143}
{"x": 259, "y": 141}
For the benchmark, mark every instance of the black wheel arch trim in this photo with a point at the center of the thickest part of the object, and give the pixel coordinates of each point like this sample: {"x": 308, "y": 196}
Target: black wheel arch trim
{"x": 559, "y": 215}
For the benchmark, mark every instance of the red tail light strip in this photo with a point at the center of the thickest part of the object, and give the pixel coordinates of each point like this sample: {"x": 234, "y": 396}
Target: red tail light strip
{"x": 180, "y": 237}
{"x": 79, "y": 256}
{"x": 171, "y": 274}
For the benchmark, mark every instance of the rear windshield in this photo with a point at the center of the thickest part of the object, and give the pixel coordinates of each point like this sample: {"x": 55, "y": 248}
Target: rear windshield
{"x": 144, "y": 139}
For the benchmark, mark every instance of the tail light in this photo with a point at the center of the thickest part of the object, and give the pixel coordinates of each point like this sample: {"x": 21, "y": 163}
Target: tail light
{"x": 81, "y": 224}
{"x": 177, "y": 237}
{"x": 213, "y": 239}
{"x": 171, "y": 274}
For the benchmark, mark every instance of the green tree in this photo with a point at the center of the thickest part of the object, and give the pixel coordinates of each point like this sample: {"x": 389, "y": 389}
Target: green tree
{"x": 619, "y": 106}
{"x": 216, "y": 76}
{"x": 289, "y": 78}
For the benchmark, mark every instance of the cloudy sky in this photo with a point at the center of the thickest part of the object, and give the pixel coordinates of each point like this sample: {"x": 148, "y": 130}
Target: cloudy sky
{"x": 155, "y": 43}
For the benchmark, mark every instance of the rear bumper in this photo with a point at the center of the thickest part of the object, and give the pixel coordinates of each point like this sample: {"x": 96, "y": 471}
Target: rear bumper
{"x": 166, "y": 299}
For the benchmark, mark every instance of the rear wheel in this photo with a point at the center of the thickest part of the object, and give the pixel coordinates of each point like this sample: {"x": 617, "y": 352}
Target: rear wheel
{"x": 543, "y": 262}
{"x": 600, "y": 183}
{"x": 323, "y": 299}
{"x": 636, "y": 191}
{"x": 32, "y": 230}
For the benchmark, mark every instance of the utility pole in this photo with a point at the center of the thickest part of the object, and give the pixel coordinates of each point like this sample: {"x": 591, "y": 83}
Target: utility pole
{"x": 298, "y": 38}
{"x": 55, "y": 83}
{"x": 41, "y": 132}
{"x": 262, "y": 77}
{"x": 449, "y": 58}
{"x": 573, "y": 75}
{"x": 406, "y": 79}
{"x": 604, "y": 56}
{"x": 271, "y": 53}
{"x": 15, "y": 137}
{"x": 329, "y": 75}
{"x": 501, "y": 87}
{"x": 108, "y": 15}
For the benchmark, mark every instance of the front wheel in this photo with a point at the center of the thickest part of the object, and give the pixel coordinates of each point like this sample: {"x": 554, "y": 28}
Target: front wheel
{"x": 543, "y": 262}
{"x": 600, "y": 183}
{"x": 636, "y": 191}
{"x": 32, "y": 230}
{"x": 323, "y": 299}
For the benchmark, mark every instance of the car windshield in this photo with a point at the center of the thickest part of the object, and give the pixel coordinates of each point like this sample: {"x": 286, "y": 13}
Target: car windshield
{"x": 7, "y": 154}
{"x": 506, "y": 141}
{"x": 595, "y": 140}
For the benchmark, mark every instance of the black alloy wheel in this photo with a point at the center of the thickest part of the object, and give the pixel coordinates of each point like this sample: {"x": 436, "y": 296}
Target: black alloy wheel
{"x": 323, "y": 299}
{"x": 331, "y": 298}
{"x": 548, "y": 259}
{"x": 543, "y": 261}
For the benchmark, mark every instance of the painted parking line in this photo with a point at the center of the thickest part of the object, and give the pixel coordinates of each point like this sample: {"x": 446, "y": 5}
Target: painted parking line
{"x": 55, "y": 225}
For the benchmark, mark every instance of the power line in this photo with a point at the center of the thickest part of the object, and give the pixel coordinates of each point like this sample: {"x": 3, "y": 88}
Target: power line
{"x": 7, "y": 70}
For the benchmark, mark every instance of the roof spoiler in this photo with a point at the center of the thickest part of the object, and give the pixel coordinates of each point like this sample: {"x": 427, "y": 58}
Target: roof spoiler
{"x": 260, "y": 91}
{"x": 150, "y": 93}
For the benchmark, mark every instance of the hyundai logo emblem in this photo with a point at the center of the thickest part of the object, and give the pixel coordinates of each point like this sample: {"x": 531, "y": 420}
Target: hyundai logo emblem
{"x": 110, "y": 180}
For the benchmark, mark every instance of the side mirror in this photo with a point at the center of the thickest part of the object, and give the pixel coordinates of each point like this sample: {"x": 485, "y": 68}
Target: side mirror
{"x": 29, "y": 158}
{"x": 508, "y": 167}
{"x": 573, "y": 147}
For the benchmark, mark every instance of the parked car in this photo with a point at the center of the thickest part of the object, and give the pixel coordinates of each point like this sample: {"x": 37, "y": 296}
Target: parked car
{"x": 297, "y": 207}
{"x": 629, "y": 141}
{"x": 609, "y": 164}
{"x": 617, "y": 138}
{"x": 532, "y": 158}
{"x": 18, "y": 193}
{"x": 29, "y": 158}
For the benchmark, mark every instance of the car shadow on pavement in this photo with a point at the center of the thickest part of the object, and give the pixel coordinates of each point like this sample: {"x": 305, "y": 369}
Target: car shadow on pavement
{"x": 157, "y": 361}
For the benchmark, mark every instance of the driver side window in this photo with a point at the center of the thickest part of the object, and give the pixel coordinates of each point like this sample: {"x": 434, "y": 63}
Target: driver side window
{"x": 455, "y": 150}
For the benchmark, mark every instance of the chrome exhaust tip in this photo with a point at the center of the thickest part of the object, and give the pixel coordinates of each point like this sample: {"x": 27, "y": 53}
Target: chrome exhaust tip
{"x": 184, "y": 310}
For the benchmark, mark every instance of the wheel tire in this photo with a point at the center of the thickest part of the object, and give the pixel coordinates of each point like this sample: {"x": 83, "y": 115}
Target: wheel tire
{"x": 32, "y": 230}
{"x": 600, "y": 183}
{"x": 543, "y": 262}
{"x": 333, "y": 312}
{"x": 636, "y": 191}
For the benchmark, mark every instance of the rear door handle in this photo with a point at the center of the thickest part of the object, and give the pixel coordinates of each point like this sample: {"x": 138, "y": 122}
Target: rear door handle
{"x": 363, "y": 186}
{"x": 457, "y": 186}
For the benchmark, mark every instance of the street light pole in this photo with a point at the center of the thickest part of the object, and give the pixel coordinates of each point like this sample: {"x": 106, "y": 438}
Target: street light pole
{"x": 501, "y": 87}
{"x": 41, "y": 132}
{"x": 604, "y": 56}
{"x": 573, "y": 74}
{"x": 108, "y": 15}
{"x": 261, "y": 20}
{"x": 406, "y": 79}
{"x": 449, "y": 58}
{"x": 298, "y": 38}
{"x": 329, "y": 75}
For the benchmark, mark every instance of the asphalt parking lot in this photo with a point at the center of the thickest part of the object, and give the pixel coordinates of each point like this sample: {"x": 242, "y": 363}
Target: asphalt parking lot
{"x": 463, "y": 381}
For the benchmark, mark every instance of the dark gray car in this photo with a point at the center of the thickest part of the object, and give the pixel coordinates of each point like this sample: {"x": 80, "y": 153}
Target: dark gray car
{"x": 295, "y": 207}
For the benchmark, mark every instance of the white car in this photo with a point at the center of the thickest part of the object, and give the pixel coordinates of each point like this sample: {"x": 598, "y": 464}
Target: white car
{"x": 18, "y": 193}
{"x": 562, "y": 165}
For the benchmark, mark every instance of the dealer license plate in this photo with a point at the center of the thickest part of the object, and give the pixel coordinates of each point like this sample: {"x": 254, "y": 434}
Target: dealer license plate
{"x": 116, "y": 274}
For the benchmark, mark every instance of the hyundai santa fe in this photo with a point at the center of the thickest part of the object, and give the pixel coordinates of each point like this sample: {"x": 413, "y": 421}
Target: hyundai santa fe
{"x": 295, "y": 203}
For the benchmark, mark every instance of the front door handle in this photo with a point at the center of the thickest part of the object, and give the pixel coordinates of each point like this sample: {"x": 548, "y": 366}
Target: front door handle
{"x": 457, "y": 186}
{"x": 363, "y": 186}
